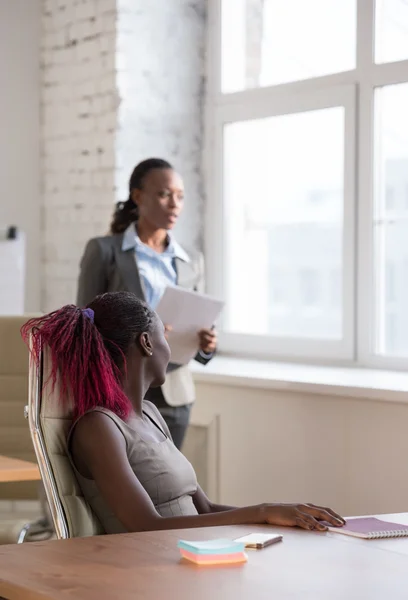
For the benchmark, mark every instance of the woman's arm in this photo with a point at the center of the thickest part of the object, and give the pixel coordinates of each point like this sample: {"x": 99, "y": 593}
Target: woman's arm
{"x": 109, "y": 467}
{"x": 207, "y": 337}
{"x": 107, "y": 464}
{"x": 92, "y": 276}
{"x": 204, "y": 505}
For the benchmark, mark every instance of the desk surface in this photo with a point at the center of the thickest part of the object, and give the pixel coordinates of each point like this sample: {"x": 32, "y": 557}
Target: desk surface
{"x": 13, "y": 469}
{"x": 146, "y": 566}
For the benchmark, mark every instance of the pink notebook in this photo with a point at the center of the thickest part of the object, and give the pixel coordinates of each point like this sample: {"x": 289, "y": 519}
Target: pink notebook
{"x": 371, "y": 528}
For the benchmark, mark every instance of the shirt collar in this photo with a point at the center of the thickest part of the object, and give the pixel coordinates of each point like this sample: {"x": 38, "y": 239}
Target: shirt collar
{"x": 131, "y": 240}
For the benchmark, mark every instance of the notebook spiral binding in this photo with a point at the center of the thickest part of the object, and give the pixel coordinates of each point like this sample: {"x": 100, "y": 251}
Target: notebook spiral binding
{"x": 374, "y": 535}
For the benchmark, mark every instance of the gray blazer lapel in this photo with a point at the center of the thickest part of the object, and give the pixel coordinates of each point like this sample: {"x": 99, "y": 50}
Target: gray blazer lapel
{"x": 187, "y": 276}
{"x": 127, "y": 267}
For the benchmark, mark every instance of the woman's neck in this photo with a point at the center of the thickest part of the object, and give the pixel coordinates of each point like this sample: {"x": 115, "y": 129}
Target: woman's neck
{"x": 157, "y": 239}
{"x": 135, "y": 388}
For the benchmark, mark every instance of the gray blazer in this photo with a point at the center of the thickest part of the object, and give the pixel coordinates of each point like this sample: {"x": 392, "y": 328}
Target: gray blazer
{"x": 105, "y": 267}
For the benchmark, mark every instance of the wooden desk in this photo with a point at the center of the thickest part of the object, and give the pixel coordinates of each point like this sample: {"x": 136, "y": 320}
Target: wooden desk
{"x": 12, "y": 469}
{"x": 147, "y": 566}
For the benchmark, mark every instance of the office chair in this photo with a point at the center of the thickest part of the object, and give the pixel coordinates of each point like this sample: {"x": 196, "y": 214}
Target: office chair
{"x": 49, "y": 422}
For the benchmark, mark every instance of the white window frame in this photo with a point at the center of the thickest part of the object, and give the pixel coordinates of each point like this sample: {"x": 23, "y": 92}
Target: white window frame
{"x": 300, "y": 103}
{"x": 355, "y": 91}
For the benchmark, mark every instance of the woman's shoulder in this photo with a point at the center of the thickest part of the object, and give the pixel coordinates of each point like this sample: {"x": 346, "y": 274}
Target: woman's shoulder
{"x": 95, "y": 419}
{"x": 110, "y": 239}
{"x": 88, "y": 432}
{"x": 103, "y": 245}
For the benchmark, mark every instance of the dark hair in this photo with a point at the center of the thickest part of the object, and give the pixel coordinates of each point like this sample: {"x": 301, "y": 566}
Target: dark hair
{"x": 127, "y": 212}
{"x": 89, "y": 355}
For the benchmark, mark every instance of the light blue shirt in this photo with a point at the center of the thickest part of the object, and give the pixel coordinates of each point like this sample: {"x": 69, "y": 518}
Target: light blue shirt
{"x": 157, "y": 270}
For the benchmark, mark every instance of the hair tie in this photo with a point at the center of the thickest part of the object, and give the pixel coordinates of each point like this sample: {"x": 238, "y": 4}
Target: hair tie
{"x": 88, "y": 312}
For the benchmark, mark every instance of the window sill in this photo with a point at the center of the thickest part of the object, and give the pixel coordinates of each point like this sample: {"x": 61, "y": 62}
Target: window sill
{"x": 352, "y": 382}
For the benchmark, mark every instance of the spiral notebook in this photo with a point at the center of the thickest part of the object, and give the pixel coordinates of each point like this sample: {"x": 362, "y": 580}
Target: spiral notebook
{"x": 371, "y": 528}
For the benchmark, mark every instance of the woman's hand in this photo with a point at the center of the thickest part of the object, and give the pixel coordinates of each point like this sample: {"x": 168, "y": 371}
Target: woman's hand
{"x": 207, "y": 340}
{"x": 306, "y": 516}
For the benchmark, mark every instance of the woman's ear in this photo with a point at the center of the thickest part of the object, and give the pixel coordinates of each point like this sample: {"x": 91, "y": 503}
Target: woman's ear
{"x": 135, "y": 196}
{"x": 146, "y": 344}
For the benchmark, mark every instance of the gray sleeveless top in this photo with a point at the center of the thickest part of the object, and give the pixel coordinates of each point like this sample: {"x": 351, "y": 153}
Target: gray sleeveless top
{"x": 166, "y": 475}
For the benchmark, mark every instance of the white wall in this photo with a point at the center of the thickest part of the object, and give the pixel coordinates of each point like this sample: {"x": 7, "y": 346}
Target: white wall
{"x": 19, "y": 127}
{"x": 277, "y": 446}
{"x": 160, "y": 78}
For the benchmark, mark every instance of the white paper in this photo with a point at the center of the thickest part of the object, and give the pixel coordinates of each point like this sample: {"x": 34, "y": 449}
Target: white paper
{"x": 12, "y": 274}
{"x": 186, "y": 312}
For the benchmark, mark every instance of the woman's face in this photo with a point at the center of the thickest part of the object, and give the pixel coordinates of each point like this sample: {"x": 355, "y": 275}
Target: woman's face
{"x": 160, "y": 201}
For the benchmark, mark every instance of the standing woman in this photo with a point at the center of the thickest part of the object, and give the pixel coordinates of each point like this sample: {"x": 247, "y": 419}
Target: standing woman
{"x": 142, "y": 256}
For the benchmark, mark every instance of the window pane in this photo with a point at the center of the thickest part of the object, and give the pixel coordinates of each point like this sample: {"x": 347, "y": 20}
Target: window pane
{"x": 267, "y": 42}
{"x": 391, "y": 30}
{"x": 391, "y": 221}
{"x": 283, "y": 192}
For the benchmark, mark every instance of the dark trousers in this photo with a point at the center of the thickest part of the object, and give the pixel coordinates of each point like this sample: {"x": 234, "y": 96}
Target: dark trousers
{"x": 176, "y": 417}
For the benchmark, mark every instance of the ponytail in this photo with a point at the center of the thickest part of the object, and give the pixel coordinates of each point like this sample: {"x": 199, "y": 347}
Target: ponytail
{"x": 79, "y": 359}
{"x": 125, "y": 214}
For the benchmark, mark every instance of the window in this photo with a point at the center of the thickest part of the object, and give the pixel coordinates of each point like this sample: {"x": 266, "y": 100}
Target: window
{"x": 275, "y": 225}
{"x": 391, "y": 222}
{"x": 308, "y": 175}
{"x": 389, "y": 197}
{"x": 309, "y": 291}
{"x": 391, "y": 31}
{"x": 263, "y": 44}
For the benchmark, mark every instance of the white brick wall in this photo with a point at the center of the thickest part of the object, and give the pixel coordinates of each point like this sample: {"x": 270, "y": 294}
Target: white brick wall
{"x": 158, "y": 73}
{"x": 79, "y": 104}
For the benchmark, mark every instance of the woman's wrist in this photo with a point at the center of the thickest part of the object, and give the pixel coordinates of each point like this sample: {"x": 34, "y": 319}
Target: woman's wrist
{"x": 259, "y": 514}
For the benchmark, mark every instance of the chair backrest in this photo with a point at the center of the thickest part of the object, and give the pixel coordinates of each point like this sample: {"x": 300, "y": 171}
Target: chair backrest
{"x": 15, "y": 438}
{"x": 50, "y": 421}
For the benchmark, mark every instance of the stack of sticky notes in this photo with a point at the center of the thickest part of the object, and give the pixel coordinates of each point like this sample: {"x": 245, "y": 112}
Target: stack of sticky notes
{"x": 213, "y": 552}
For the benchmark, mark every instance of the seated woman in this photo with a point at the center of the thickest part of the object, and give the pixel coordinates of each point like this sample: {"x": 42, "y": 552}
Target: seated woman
{"x": 106, "y": 357}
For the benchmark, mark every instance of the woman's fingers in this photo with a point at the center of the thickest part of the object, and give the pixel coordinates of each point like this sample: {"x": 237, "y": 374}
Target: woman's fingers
{"x": 306, "y": 516}
{"x": 208, "y": 333}
{"x": 308, "y": 522}
{"x": 332, "y": 512}
{"x": 323, "y": 514}
{"x": 302, "y": 523}
{"x": 207, "y": 337}
{"x": 208, "y": 340}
